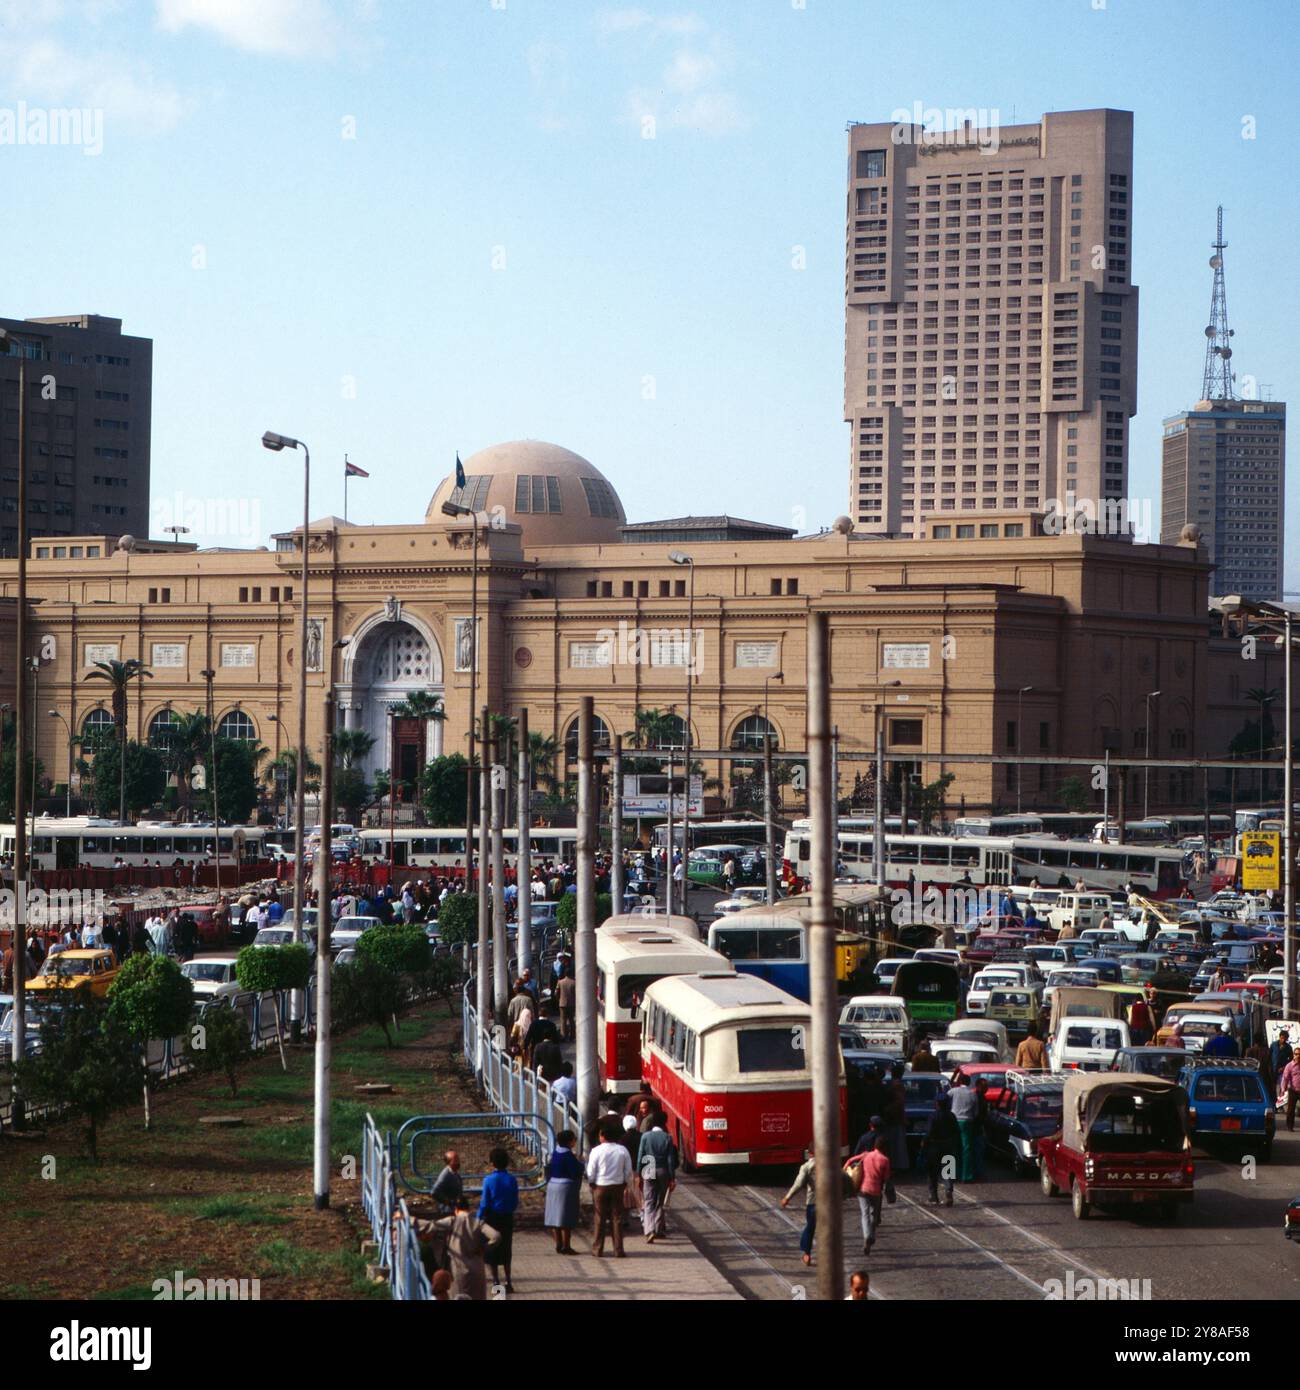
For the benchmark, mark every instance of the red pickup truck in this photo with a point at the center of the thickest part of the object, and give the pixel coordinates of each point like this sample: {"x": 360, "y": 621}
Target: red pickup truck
{"x": 1124, "y": 1140}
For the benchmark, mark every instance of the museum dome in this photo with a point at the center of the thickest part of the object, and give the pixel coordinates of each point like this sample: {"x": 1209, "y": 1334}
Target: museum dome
{"x": 553, "y": 494}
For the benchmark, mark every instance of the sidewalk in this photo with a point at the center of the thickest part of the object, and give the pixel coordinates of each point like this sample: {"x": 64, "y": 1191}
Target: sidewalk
{"x": 671, "y": 1269}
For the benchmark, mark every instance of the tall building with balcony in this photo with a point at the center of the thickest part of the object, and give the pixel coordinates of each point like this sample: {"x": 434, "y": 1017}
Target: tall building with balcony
{"x": 990, "y": 319}
{"x": 1223, "y": 468}
{"x": 89, "y": 398}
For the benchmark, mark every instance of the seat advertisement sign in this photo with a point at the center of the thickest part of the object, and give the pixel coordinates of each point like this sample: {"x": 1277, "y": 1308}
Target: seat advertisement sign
{"x": 1261, "y": 860}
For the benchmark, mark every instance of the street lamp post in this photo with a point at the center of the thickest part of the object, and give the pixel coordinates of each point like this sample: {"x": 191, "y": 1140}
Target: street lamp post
{"x": 10, "y": 342}
{"x": 679, "y": 557}
{"x": 209, "y": 674}
{"x": 769, "y": 798}
{"x": 54, "y": 714}
{"x": 1146, "y": 771}
{"x": 1020, "y": 740}
{"x": 450, "y": 508}
{"x": 277, "y": 442}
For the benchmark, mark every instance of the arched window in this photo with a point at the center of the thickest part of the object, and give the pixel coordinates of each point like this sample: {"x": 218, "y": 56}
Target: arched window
{"x": 237, "y": 725}
{"x": 751, "y": 733}
{"x": 600, "y": 737}
{"x": 161, "y": 725}
{"x": 97, "y": 727}
{"x": 671, "y": 735}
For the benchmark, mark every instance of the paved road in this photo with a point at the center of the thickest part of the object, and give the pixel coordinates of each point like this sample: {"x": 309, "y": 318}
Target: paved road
{"x": 1004, "y": 1240}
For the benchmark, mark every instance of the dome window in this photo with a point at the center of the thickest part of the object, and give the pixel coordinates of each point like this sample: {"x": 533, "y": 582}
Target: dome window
{"x": 600, "y": 497}
{"x": 537, "y": 494}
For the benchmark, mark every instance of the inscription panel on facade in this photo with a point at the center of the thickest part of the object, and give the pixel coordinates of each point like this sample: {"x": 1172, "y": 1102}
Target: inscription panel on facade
{"x": 238, "y": 654}
{"x": 910, "y": 656}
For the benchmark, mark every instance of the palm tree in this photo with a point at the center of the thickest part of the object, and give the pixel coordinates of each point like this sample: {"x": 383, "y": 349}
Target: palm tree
{"x": 286, "y": 767}
{"x": 543, "y": 749}
{"x": 421, "y": 705}
{"x": 119, "y": 675}
{"x": 352, "y": 746}
{"x": 184, "y": 742}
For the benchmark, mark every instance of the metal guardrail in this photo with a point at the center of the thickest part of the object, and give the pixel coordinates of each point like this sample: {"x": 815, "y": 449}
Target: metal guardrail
{"x": 390, "y": 1221}
{"x": 167, "y": 1057}
{"x": 517, "y": 1126}
{"x": 515, "y": 1090}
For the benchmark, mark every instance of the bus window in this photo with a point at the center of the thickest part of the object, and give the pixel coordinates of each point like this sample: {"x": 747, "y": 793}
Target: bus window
{"x": 934, "y": 854}
{"x": 1169, "y": 875}
{"x": 781, "y": 944}
{"x": 965, "y": 856}
{"x": 902, "y": 854}
{"x": 736, "y": 943}
{"x": 632, "y": 988}
{"x": 690, "y": 1049}
{"x": 96, "y": 844}
{"x": 679, "y": 1046}
{"x": 770, "y": 1049}
{"x": 600, "y": 988}
{"x": 452, "y": 844}
{"x": 1083, "y": 859}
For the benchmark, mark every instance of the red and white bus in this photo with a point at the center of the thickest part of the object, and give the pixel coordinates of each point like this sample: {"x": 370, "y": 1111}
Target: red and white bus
{"x": 629, "y": 959}
{"x": 727, "y": 1057}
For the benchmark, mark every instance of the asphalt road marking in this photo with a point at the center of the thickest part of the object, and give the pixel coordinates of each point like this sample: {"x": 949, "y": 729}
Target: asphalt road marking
{"x": 975, "y": 1245}
{"x": 1071, "y": 1260}
{"x": 780, "y": 1213}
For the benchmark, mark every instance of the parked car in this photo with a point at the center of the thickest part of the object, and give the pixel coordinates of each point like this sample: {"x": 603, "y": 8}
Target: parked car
{"x": 1082, "y": 911}
{"x": 920, "y": 1091}
{"x": 886, "y": 970}
{"x": 1227, "y": 1099}
{"x": 1108, "y": 971}
{"x": 880, "y": 1022}
{"x": 1123, "y": 1142}
{"x": 283, "y": 936}
{"x": 1087, "y": 1044}
{"x": 952, "y": 1052}
{"x": 985, "y": 981}
{"x": 91, "y": 969}
{"x": 346, "y": 956}
{"x": 347, "y": 931}
{"x": 988, "y": 1030}
{"x": 995, "y": 1075}
{"x": 1151, "y": 1061}
{"x": 1027, "y": 1110}
{"x": 212, "y": 977}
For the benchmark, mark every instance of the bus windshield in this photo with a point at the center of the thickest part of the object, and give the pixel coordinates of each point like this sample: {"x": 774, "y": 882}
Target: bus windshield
{"x": 749, "y": 943}
{"x": 770, "y": 1049}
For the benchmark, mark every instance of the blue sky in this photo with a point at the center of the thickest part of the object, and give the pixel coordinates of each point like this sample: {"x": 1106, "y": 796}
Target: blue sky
{"x": 399, "y": 228}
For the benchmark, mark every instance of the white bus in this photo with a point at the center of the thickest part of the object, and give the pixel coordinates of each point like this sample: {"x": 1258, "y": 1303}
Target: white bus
{"x": 948, "y": 860}
{"x": 1155, "y": 830}
{"x": 628, "y": 961}
{"x": 1249, "y": 818}
{"x": 893, "y": 824}
{"x": 748, "y": 832}
{"x": 986, "y": 826}
{"x": 441, "y": 848}
{"x": 86, "y": 842}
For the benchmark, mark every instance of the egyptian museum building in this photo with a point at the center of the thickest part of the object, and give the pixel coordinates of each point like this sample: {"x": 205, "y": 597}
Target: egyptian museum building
{"x": 939, "y": 637}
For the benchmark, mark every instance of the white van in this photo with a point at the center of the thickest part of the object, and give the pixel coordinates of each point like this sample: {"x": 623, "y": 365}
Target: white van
{"x": 1087, "y": 1044}
{"x": 881, "y": 1021}
{"x": 1079, "y": 910}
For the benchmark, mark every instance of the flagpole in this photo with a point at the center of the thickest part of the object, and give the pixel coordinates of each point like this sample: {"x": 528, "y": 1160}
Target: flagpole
{"x": 346, "y": 476}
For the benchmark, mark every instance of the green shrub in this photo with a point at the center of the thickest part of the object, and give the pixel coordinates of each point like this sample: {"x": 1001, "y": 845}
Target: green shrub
{"x": 262, "y": 968}
{"x": 458, "y": 918}
{"x": 365, "y": 992}
{"x": 219, "y": 1042}
{"x": 566, "y": 914}
{"x": 401, "y": 948}
{"x": 150, "y": 998}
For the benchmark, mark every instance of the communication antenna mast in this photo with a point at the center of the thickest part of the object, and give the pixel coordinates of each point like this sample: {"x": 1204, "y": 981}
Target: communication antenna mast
{"x": 1218, "y": 378}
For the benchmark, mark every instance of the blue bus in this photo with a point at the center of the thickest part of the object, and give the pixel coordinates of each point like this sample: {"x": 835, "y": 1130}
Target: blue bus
{"x": 771, "y": 945}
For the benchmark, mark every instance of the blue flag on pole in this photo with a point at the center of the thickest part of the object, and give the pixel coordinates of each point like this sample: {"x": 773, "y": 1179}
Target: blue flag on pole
{"x": 460, "y": 474}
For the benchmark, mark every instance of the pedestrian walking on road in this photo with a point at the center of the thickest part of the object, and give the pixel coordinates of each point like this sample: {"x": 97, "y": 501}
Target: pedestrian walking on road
{"x": 805, "y": 1181}
{"x": 859, "y": 1287}
{"x": 448, "y": 1187}
{"x": 563, "y": 1191}
{"x": 656, "y": 1169}
{"x": 609, "y": 1170}
{"x": 566, "y": 996}
{"x": 1288, "y": 1090}
{"x": 497, "y": 1206}
{"x": 468, "y": 1240}
{"x": 873, "y": 1174}
{"x": 1031, "y": 1054}
{"x": 941, "y": 1146}
{"x": 965, "y": 1110}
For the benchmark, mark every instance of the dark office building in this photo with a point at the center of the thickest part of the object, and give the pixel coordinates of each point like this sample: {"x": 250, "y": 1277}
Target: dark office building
{"x": 89, "y": 392}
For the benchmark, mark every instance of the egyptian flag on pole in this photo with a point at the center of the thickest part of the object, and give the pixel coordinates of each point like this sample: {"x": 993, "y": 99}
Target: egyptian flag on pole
{"x": 352, "y": 471}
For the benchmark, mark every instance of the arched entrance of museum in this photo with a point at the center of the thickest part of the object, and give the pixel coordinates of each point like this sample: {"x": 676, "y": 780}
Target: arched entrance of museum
{"x": 391, "y": 656}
